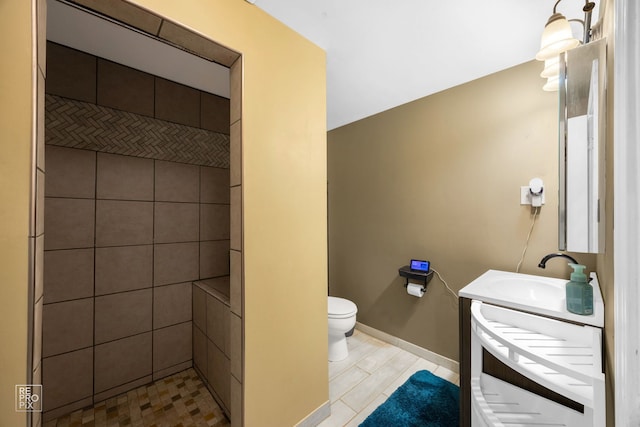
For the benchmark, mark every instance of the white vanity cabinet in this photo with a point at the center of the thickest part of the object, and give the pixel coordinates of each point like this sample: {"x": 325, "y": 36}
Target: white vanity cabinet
{"x": 524, "y": 360}
{"x": 563, "y": 357}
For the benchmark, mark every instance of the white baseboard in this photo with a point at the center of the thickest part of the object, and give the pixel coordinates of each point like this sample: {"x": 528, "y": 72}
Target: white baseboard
{"x": 429, "y": 355}
{"x": 317, "y": 416}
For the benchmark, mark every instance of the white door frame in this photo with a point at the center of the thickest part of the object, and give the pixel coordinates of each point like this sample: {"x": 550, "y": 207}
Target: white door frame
{"x": 626, "y": 234}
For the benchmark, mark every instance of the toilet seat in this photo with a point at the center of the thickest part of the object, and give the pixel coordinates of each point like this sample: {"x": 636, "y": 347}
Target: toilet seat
{"x": 340, "y": 308}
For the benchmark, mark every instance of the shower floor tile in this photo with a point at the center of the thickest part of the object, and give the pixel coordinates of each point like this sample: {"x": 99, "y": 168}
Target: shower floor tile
{"x": 180, "y": 400}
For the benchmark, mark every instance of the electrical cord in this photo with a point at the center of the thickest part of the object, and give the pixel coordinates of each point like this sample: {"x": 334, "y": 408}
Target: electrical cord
{"x": 445, "y": 284}
{"x": 526, "y": 244}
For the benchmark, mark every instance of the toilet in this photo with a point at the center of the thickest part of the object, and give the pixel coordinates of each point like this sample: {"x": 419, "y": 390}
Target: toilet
{"x": 342, "y": 319}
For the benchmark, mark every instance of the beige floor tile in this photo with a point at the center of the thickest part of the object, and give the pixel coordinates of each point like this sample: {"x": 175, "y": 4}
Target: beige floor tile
{"x": 358, "y": 337}
{"x": 344, "y": 382}
{"x": 362, "y": 415}
{"x": 356, "y": 353}
{"x": 340, "y": 415}
{"x": 447, "y": 374}
{"x": 378, "y": 358}
{"x": 367, "y": 390}
{"x": 369, "y": 375}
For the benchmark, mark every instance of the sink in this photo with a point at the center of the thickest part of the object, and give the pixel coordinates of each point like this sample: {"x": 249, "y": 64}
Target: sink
{"x": 535, "y": 294}
{"x": 527, "y": 290}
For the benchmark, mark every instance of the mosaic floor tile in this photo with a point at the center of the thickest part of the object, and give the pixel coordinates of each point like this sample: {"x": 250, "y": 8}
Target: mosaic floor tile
{"x": 180, "y": 400}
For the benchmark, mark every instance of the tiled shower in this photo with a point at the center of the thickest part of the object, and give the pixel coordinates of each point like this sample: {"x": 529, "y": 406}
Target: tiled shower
{"x": 137, "y": 208}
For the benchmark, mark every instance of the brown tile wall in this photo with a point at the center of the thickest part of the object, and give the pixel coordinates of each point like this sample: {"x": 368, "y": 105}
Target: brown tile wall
{"x": 218, "y": 331}
{"x": 121, "y": 110}
{"x": 211, "y": 338}
{"x": 236, "y": 279}
{"x": 126, "y": 236}
{"x": 83, "y": 77}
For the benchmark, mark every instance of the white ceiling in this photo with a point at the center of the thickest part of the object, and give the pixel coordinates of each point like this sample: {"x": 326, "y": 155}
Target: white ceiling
{"x": 384, "y": 53}
{"x": 70, "y": 26}
{"x": 380, "y": 53}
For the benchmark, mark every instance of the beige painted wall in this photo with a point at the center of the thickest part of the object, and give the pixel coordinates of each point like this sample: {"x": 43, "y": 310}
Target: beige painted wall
{"x": 15, "y": 160}
{"x": 439, "y": 178}
{"x": 284, "y": 204}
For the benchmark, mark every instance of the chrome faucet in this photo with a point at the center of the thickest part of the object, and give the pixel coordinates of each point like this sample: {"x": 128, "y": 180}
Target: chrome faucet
{"x": 543, "y": 262}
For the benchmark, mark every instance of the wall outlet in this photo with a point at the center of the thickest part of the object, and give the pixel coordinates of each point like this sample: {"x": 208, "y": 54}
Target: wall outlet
{"x": 525, "y": 195}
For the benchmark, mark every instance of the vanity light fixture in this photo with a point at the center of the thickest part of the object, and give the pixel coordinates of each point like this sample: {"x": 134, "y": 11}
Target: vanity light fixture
{"x": 551, "y": 67}
{"x": 551, "y": 72}
{"x": 557, "y": 38}
{"x": 552, "y": 84}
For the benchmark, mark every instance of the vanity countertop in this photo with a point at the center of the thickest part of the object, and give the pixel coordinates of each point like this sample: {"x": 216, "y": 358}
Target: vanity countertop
{"x": 534, "y": 294}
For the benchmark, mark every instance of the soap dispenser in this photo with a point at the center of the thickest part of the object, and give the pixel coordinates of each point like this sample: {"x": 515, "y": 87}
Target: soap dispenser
{"x": 579, "y": 292}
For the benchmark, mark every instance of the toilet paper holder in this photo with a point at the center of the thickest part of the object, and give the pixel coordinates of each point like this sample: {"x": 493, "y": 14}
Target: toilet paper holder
{"x": 423, "y": 277}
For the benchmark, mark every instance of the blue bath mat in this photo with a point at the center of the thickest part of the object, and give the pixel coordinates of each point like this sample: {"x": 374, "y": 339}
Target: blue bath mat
{"x": 424, "y": 400}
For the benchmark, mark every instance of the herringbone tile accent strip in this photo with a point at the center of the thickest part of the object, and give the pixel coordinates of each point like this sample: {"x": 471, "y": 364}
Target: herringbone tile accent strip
{"x": 88, "y": 126}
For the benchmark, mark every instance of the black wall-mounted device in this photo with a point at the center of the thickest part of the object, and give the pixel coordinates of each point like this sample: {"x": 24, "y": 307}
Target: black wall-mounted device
{"x": 418, "y": 270}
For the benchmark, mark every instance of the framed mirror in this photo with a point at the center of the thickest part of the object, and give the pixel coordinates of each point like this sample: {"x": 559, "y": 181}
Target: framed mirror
{"x": 582, "y": 118}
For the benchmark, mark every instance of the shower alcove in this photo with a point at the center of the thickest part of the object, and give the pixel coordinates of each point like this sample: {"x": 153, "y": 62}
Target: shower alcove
{"x": 142, "y": 248}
